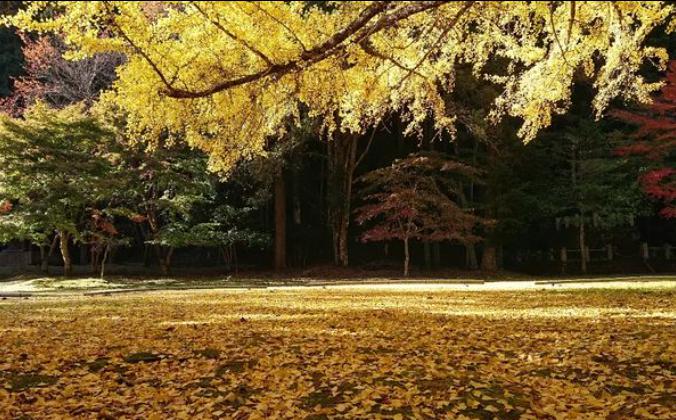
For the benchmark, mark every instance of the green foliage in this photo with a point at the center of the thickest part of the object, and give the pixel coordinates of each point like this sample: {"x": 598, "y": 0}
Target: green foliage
{"x": 177, "y": 201}
{"x": 57, "y": 167}
{"x": 588, "y": 178}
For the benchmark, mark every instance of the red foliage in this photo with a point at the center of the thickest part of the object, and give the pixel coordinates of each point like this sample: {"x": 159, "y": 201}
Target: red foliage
{"x": 39, "y": 55}
{"x": 138, "y": 218}
{"x": 415, "y": 200}
{"x": 102, "y": 224}
{"x": 5, "y": 206}
{"x": 57, "y": 81}
{"x": 656, "y": 141}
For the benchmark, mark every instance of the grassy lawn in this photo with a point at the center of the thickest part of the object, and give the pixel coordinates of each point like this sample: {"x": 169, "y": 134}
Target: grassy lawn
{"x": 341, "y": 352}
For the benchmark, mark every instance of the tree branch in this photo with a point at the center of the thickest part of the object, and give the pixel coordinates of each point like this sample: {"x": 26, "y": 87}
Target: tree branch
{"x": 136, "y": 48}
{"x": 232, "y": 35}
{"x": 370, "y": 49}
{"x": 282, "y": 24}
{"x": 467, "y": 5}
{"x": 556, "y": 36}
{"x": 359, "y": 29}
{"x": 570, "y": 24}
{"x": 368, "y": 146}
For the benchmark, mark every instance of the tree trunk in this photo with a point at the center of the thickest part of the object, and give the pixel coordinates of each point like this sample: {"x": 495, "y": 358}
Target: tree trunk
{"x": 298, "y": 243}
{"x": 44, "y": 264}
{"x": 83, "y": 254}
{"x": 95, "y": 257}
{"x": 164, "y": 269}
{"x": 43, "y": 259}
{"x": 489, "y": 259}
{"x": 64, "y": 239}
{"x": 470, "y": 257}
{"x": 583, "y": 248}
{"x": 280, "y": 221}
{"x": 103, "y": 260}
{"x": 428, "y": 255}
{"x": 436, "y": 252}
{"x": 342, "y": 251}
{"x": 406, "y": 257}
{"x": 165, "y": 261}
{"x": 342, "y": 162}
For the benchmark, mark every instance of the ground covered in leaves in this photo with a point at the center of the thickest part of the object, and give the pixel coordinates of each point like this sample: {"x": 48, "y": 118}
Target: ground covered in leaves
{"x": 327, "y": 353}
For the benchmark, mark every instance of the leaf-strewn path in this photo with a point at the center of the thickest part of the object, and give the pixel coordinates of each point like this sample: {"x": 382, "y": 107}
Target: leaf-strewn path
{"x": 317, "y": 353}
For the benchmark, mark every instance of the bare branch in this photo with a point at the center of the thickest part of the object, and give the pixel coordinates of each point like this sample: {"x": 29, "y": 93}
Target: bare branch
{"x": 368, "y": 146}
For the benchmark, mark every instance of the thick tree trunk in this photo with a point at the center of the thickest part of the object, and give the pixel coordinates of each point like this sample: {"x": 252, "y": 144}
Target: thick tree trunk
{"x": 280, "y": 221}
{"x": 342, "y": 256}
{"x": 64, "y": 239}
{"x": 407, "y": 258}
{"x": 298, "y": 244}
{"x": 489, "y": 259}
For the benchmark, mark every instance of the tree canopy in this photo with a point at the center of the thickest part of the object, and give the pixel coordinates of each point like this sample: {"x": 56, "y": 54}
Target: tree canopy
{"x": 420, "y": 198}
{"x": 226, "y": 76}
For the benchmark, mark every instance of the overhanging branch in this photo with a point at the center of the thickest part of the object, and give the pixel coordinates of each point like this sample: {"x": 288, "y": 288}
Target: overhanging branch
{"x": 358, "y": 30}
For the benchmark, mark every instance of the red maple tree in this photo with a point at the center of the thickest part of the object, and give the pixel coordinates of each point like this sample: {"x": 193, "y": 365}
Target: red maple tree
{"x": 5, "y": 206}
{"x": 48, "y": 76}
{"x": 656, "y": 141}
{"x": 417, "y": 198}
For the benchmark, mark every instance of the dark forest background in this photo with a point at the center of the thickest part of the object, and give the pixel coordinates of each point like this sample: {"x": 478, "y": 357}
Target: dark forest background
{"x": 570, "y": 201}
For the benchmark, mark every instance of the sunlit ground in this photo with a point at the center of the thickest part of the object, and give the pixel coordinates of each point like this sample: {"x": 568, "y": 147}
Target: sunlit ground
{"x": 398, "y": 352}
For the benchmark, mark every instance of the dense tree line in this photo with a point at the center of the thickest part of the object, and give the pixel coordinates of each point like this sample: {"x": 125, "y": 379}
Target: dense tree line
{"x": 78, "y": 169}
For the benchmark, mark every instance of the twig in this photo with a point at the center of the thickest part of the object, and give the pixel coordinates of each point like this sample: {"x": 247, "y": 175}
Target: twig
{"x": 368, "y": 146}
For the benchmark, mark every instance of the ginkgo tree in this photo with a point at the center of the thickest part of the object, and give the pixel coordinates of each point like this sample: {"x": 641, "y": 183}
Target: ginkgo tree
{"x": 226, "y": 76}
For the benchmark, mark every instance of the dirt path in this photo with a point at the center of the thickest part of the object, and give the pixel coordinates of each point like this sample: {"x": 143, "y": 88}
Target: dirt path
{"x": 92, "y": 286}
